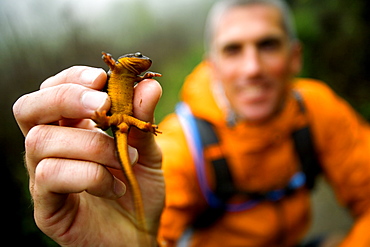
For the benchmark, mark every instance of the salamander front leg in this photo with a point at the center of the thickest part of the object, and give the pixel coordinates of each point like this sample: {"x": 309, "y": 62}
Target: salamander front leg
{"x": 109, "y": 60}
{"x": 102, "y": 120}
{"x": 150, "y": 75}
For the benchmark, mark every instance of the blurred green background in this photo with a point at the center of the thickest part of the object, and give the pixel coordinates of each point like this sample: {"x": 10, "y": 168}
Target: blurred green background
{"x": 39, "y": 38}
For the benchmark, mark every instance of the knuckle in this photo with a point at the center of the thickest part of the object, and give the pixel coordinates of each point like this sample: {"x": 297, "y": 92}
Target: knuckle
{"x": 98, "y": 141}
{"x": 65, "y": 101}
{"x": 45, "y": 170}
{"x": 36, "y": 140}
{"x": 63, "y": 93}
{"x": 98, "y": 180}
{"x": 18, "y": 108}
{"x": 96, "y": 173}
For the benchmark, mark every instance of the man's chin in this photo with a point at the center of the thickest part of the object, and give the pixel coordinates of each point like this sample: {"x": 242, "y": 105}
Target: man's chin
{"x": 255, "y": 114}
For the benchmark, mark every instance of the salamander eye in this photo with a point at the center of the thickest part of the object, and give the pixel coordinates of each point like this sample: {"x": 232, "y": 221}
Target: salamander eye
{"x": 138, "y": 54}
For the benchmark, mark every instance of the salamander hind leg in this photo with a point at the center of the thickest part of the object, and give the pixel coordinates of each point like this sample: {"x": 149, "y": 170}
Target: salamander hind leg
{"x": 144, "y": 126}
{"x": 152, "y": 128}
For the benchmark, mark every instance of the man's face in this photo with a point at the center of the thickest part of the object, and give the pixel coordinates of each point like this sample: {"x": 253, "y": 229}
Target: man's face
{"x": 253, "y": 58}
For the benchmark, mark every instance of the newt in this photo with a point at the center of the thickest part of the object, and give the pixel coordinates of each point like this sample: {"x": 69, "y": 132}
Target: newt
{"x": 123, "y": 74}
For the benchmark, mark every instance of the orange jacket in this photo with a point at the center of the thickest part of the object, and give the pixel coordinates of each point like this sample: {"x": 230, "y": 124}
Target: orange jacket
{"x": 262, "y": 158}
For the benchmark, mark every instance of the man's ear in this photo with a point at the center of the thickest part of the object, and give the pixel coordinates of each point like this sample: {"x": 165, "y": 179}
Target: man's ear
{"x": 296, "y": 61}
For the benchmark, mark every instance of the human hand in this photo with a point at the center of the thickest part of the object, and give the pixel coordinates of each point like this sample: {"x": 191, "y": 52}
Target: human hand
{"x": 75, "y": 181}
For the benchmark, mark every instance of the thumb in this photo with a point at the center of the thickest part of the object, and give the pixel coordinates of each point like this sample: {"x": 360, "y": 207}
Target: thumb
{"x": 146, "y": 96}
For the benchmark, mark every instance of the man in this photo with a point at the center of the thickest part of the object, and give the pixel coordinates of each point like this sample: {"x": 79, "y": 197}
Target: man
{"x": 244, "y": 88}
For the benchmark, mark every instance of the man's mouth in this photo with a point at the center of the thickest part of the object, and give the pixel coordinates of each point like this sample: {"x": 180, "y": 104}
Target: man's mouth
{"x": 254, "y": 89}
{"x": 253, "y": 92}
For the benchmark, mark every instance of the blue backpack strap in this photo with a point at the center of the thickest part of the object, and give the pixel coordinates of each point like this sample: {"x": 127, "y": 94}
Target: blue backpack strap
{"x": 193, "y": 138}
{"x": 224, "y": 187}
{"x": 199, "y": 134}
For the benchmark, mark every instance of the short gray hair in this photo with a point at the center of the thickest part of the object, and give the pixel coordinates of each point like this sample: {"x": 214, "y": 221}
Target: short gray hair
{"x": 222, "y": 6}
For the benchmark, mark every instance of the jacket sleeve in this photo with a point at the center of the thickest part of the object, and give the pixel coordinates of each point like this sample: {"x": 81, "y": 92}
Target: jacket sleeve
{"x": 343, "y": 141}
{"x": 183, "y": 196}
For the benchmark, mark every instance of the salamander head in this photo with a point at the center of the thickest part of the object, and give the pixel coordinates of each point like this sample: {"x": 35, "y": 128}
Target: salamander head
{"x": 136, "y": 62}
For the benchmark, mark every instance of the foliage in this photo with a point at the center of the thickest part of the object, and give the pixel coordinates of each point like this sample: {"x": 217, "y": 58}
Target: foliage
{"x": 335, "y": 35}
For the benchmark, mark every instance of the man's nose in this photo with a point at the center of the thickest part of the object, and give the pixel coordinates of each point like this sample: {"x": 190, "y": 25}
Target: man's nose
{"x": 251, "y": 64}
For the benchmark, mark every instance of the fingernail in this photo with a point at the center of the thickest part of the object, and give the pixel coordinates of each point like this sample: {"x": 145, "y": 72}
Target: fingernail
{"x": 119, "y": 188}
{"x": 89, "y": 76}
{"x": 94, "y": 100}
{"x": 133, "y": 154}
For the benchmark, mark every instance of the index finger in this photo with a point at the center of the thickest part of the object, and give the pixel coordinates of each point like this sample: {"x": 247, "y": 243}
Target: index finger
{"x": 63, "y": 96}
{"x": 94, "y": 78}
{"x": 49, "y": 105}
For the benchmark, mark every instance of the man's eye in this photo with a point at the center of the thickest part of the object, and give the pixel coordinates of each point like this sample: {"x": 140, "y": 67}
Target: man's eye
{"x": 232, "y": 49}
{"x": 269, "y": 44}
